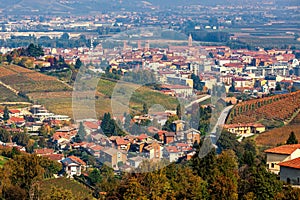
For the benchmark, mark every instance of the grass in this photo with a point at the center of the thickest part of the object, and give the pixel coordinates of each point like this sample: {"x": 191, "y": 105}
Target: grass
{"x": 77, "y": 189}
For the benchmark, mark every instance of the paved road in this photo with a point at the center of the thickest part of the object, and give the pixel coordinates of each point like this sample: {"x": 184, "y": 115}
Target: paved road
{"x": 221, "y": 121}
{"x": 198, "y": 101}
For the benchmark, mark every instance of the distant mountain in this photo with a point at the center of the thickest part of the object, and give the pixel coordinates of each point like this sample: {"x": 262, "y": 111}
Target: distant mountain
{"x": 91, "y": 6}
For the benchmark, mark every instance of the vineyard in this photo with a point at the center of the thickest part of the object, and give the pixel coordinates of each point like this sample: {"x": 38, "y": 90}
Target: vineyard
{"x": 278, "y": 108}
{"x": 279, "y": 135}
{"x": 27, "y": 81}
{"x": 57, "y": 96}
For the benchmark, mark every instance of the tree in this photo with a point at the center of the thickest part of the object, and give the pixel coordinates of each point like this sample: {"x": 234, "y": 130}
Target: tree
{"x": 95, "y": 176}
{"x": 35, "y": 51}
{"x": 145, "y": 109}
{"x": 179, "y": 111}
{"x": 81, "y": 131}
{"x": 232, "y": 88}
{"x": 9, "y": 58}
{"x": 278, "y": 86}
{"x": 292, "y": 139}
{"x": 4, "y": 136}
{"x": 6, "y": 114}
{"x": 78, "y": 63}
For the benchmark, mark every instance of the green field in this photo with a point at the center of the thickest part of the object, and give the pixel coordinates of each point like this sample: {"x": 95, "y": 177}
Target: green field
{"x": 8, "y": 96}
{"x": 57, "y": 96}
{"x": 77, "y": 189}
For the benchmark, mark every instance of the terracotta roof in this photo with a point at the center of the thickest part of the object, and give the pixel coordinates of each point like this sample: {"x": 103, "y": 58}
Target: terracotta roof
{"x": 121, "y": 141}
{"x": 56, "y": 157}
{"x": 76, "y": 159}
{"x": 91, "y": 125}
{"x": 14, "y": 111}
{"x": 285, "y": 149}
{"x": 44, "y": 151}
{"x": 295, "y": 163}
{"x": 16, "y": 119}
{"x": 172, "y": 149}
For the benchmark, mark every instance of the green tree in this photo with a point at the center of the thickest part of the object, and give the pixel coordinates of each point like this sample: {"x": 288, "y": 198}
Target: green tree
{"x": 78, "y": 63}
{"x": 168, "y": 126}
{"x": 4, "y": 135}
{"x": 292, "y": 139}
{"x": 81, "y": 131}
{"x": 6, "y": 114}
{"x": 179, "y": 111}
{"x": 278, "y": 86}
{"x": 9, "y": 58}
{"x": 145, "y": 109}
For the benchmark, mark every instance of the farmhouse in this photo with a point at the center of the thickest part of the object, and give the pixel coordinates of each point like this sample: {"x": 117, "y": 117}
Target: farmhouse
{"x": 241, "y": 129}
{"x": 281, "y": 154}
{"x": 290, "y": 171}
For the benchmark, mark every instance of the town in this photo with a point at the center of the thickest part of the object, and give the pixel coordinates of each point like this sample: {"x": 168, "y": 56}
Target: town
{"x": 146, "y": 100}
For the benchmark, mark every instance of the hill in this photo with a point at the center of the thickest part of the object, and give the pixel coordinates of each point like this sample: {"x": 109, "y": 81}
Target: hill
{"x": 271, "y": 111}
{"x": 77, "y": 189}
{"x": 57, "y": 96}
{"x": 279, "y": 135}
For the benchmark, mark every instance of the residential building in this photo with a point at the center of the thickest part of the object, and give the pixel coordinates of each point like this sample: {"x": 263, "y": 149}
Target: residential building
{"x": 280, "y": 154}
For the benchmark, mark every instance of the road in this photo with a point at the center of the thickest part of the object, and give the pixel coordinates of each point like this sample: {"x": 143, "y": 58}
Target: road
{"x": 221, "y": 121}
{"x": 198, "y": 101}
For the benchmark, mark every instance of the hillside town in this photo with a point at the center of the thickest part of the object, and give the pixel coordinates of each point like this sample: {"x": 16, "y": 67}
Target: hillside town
{"x": 129, "y": 99}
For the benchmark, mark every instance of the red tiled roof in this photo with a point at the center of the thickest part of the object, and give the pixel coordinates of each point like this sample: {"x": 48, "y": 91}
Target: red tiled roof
{"x": 142, "y": 136}
{"x": 295, "y": 163}
{"x": 76, "y": 159}
{"x": 44, "y": 151}
{"x": 285, "y": 149}
{"x": 121, "y": 141}
{"x": 172, "y": 149}
{"x": 91, "y": 125}
{"x": 56, "y": 157}
{"x": 16, "y": 119}
{"x": 14, "y": 111}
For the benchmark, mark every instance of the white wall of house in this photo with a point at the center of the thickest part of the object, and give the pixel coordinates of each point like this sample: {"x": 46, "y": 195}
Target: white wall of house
{"x": 290, "y": 175}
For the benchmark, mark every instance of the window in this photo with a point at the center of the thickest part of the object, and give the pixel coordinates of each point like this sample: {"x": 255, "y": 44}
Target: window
{"x": 272, "y": 165}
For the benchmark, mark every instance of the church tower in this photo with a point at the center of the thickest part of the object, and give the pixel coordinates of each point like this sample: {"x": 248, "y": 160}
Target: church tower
{"x": 190, "y": 40}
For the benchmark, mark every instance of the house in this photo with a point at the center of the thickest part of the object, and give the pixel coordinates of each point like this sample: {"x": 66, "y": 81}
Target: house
{"x": 112, "y": 157}
{"x": 152, "y": 151}
{"x": 281, "y": 154}
{"x": 290, "y": 171}
{"x": 122, "y": 144}
{"x": 135, "y": 161}
{"x": 178, "y": 125}
{"x": 169, "y": 137}
{"x": 73, "y": 165}
{"x": 18, "y": 121}
{"x": 241, "y": 129}
{"x": 172, "y": 153}
{"x": 94, "y": 149}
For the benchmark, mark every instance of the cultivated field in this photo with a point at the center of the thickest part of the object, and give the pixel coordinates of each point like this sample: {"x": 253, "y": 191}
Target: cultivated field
{"x": 78, "y": 190}
{"x": 57, "y": 96}
{"x": 279, "y": 135}
{"x": 278, "y": 108}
